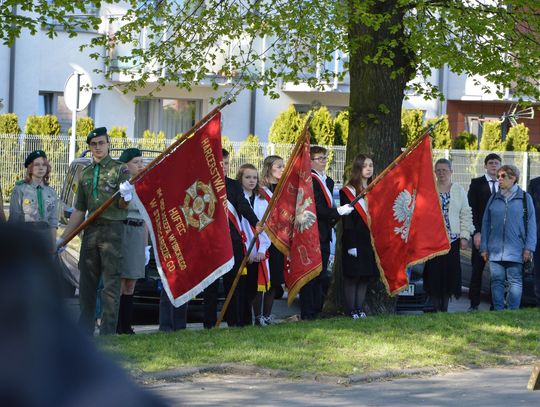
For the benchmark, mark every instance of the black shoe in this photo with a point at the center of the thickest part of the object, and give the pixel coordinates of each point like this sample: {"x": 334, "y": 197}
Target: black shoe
{"x": 473, "y": 308}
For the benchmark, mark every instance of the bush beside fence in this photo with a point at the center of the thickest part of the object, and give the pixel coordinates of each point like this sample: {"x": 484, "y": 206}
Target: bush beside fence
{"x": 14, "y": 149}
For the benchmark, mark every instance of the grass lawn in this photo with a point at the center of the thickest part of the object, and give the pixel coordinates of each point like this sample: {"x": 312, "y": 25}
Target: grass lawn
{"x": 342, "y": 346}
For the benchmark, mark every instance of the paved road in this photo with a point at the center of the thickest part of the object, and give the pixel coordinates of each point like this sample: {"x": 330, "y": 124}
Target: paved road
{"x": 481, "y": 387}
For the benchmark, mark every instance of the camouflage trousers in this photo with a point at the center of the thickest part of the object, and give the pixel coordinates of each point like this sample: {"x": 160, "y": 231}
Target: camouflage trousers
{"x": 101, "y": 255}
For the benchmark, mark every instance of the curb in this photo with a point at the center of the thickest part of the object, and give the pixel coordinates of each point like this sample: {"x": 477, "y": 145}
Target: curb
{"x": 180, "y": 374}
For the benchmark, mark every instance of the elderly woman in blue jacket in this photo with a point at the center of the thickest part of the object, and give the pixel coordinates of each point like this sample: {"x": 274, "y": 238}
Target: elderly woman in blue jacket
{"x": 510, "y": 237}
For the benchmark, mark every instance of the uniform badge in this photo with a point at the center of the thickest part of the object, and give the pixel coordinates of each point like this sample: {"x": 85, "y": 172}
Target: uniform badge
{"x": 199, "y": 205}
{"x": 403, "y": 212}
{"x": 26, "y": 201}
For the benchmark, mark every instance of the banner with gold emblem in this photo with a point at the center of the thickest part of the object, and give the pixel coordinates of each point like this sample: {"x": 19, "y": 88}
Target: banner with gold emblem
{"x": 292, "y": 220}
{"x": 184, "y": 201}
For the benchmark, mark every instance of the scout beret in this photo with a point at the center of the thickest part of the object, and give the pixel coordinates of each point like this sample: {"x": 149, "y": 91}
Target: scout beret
{"x": 100, "y": 131}
{"x": 32, "y": 156}
{"x": 129, "y": 154}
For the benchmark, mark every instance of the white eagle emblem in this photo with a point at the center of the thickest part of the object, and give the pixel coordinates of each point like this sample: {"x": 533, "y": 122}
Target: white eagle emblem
{"x": 303, "y": 219}
{"x": 403, "y": 212}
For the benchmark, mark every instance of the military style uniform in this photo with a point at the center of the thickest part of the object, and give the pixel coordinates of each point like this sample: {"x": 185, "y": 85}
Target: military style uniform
{"x": 101, "y": 249}
{"x": 37, "y": 205}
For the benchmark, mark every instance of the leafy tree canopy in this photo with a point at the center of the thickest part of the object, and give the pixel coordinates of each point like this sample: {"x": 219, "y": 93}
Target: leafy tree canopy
{"x": 258, "y": 44}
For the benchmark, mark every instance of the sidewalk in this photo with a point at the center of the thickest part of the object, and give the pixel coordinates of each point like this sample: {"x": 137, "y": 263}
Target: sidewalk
{"x": 471, "y": 388}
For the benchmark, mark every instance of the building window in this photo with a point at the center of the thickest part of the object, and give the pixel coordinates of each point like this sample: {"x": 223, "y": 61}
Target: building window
{"x": 475, "y": 124}
{"x": 53, "y": 103}
{"x": 172, "y": 116}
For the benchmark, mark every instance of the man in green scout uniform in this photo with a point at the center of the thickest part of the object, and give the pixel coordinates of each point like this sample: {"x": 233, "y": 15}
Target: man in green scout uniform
{"x": 101, "y": 252}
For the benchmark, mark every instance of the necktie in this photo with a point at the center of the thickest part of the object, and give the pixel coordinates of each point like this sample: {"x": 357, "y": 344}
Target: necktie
{"x": 41, "y": 210}
{"x": 493, "y": 190}
{"x": 95, "y": 181}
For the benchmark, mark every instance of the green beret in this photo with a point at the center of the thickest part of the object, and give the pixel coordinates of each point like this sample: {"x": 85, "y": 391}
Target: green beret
{"x": 32, "y": 156}
{"x": 100, "y": 131}
{"x": 129, "y": 154}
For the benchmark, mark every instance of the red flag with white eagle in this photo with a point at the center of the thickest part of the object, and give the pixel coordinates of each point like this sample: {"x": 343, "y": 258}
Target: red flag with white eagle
{"x": 292, "y": 220}
{"x": 183, "y": 200}
{"x": 405, "y": 217}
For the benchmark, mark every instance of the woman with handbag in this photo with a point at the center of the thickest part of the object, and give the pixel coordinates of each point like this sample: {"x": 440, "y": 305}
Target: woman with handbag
{"x": 442, "y": 274}
{"x": 508, "y": 237}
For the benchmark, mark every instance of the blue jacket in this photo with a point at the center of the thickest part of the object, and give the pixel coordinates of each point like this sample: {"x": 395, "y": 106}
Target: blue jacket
{"x": 503, "y": 228}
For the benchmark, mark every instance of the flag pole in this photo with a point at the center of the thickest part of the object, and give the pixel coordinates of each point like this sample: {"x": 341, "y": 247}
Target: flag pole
{"x": 396, "y": 161}
{"x": 279, "y": 187}
{"x": 146, "y": 169}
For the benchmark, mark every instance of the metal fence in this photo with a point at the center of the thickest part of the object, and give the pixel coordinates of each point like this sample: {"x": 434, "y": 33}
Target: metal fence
{"x": 14, "y": 149}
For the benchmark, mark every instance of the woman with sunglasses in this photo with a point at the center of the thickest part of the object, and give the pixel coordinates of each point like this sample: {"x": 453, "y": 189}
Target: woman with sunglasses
{"x": 510, "y": 239}
{"x": 442, "y": 274}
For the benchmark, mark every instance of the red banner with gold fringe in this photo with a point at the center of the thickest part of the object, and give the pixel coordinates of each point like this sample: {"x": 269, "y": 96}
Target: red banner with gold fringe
{"x": 292, "y": 222}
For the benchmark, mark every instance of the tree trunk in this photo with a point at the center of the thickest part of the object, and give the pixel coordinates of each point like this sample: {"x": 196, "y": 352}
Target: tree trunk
{"x": 376, "y": 98}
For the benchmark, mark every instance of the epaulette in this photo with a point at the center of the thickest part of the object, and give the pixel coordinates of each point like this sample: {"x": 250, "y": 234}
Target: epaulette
{"x": 20, "y": 182}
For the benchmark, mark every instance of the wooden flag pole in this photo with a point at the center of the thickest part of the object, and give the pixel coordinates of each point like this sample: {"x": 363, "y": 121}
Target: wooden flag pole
{"x": 146, "y": 169}
{"x": 396, "y": 162}
{"x": 279, "y": 187}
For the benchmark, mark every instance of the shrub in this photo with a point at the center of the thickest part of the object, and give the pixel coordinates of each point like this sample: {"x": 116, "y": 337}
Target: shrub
{"x": 321, "y": 127}
{"x": 83, "y": 126}
{"x": 442, "y": 138}
{"x": 153, "y": 141}
{"x": 286, "y": 127}
{"x": 411, "y": 125}
{"x": 9, "y": 124}
{"x": 465, "y": 141}
{"x": 42, "y": 125}
{"x": 517, "y": 138}
{"x": 491, "y": 137}
{"x": 341, "y": 128}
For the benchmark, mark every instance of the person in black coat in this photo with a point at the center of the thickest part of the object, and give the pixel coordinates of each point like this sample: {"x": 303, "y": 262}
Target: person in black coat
{"x": 359, "y": 265}
{"x": 312, "y": 294}
{"x": 480, "y": 191}
{"x": 234, "y": 314}
{"x": 534, "y": 190}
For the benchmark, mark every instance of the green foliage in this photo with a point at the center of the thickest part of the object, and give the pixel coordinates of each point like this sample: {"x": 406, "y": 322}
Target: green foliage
{"x": 321, "y": 127}
{"x": 9, "y": 124}
{"x": 441, "y": 134}
{"x": 153, "y": 141}
{"x": 251, "y": 152}
{"x": 118, "y": 132}
{"x": 341, "y": 126}
{"x": 42, "y": 125}
{"x": 491, "y": 137}
{"x": 412, "y": 123}
{"x": 84, "y": 125}
{"x": 517, "y": 138}
{"x": 465, "y": 141}
{"x": 286, "y": 127}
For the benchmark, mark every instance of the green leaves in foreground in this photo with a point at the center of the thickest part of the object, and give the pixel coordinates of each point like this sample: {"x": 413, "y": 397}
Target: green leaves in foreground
{"x": 342, "y": 346}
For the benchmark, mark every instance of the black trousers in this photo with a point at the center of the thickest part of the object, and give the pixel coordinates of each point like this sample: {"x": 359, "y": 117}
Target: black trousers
{"x": 171, "y": 318}
{"x": 312, "y": 294}
{"x": 233, "y": 316}
{"x": 478, "y": 265}
{"x": 537, "y": 277}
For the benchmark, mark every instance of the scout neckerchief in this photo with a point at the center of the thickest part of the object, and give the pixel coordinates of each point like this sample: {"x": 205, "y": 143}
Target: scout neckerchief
{"x": 263, "y": 268}
{"x": 41, "y": 209}
{"x": 95, "y": 180}
{"x": 326, "y": 192}
{"x": 360, "y": 206}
